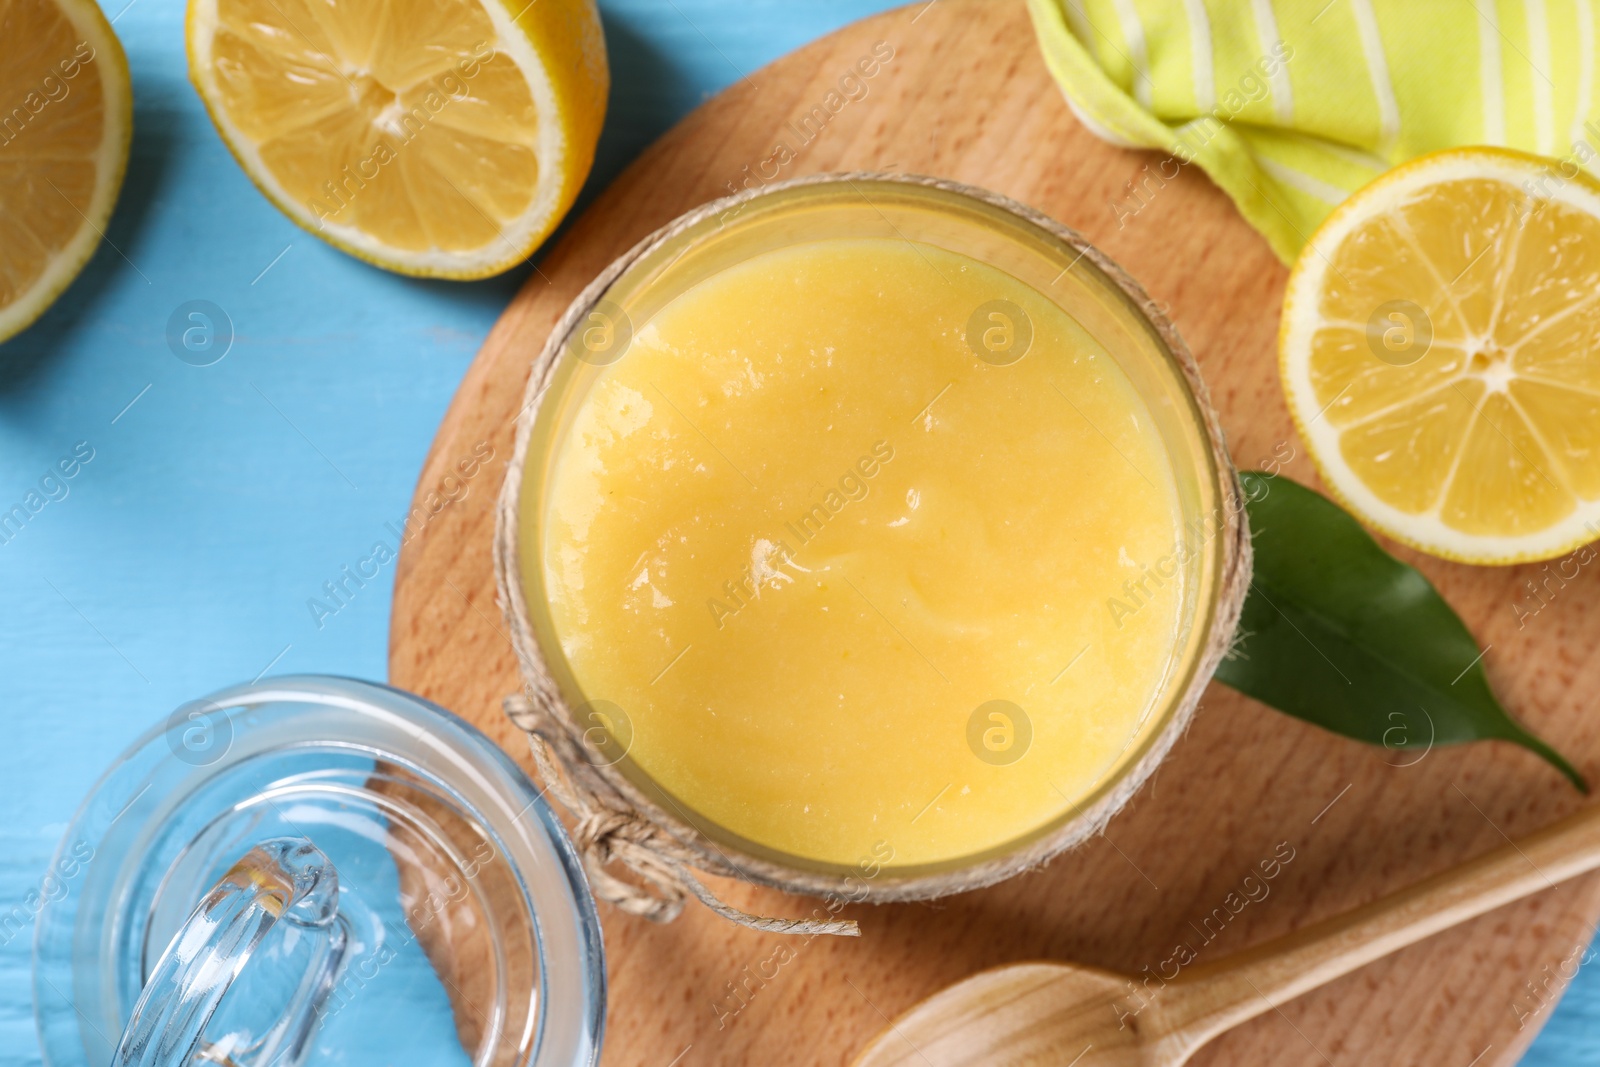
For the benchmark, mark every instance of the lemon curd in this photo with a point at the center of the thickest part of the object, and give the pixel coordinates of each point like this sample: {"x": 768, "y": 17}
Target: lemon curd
{"x": 866, "y": 549}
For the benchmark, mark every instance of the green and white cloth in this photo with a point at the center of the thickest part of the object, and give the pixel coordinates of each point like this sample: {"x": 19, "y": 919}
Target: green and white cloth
{"x": 1290, "y": 105}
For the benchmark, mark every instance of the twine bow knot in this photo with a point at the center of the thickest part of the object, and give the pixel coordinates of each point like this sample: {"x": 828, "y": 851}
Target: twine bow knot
{"x": 608, "y": 830}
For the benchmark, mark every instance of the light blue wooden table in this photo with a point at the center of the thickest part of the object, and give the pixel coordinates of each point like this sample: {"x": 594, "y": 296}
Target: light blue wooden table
{"x": 220, "y": 498}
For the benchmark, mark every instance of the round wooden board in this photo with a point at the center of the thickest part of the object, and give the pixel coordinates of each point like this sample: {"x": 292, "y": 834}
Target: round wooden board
{"x": 966, "y": 96}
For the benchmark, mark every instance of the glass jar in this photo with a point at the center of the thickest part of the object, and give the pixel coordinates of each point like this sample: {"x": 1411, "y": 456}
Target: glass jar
{"x": 1210, "y": 566}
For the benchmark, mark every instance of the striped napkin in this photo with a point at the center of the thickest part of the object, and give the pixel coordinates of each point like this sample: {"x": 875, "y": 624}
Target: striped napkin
{"x": 1290, "y": 105}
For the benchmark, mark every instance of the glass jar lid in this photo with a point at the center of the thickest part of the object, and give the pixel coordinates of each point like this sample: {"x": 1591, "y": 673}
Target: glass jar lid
{"x": 311, "y": 870}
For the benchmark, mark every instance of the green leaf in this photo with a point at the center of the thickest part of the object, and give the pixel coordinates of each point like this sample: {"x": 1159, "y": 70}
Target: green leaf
{"x": 1339, "y": 633}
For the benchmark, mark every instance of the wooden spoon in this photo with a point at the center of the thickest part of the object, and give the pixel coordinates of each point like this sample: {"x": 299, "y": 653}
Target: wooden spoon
{"x": 1065, "y": 1015}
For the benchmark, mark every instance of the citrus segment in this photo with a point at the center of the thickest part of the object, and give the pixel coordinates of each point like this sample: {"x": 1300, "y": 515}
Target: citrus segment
{"x": 1569, "y": 429}
{"x": 1406, "y": 455}
{"x": 1562, "y": 347}
{"x": 1508, "y": 484}
{"x": 1466, "y": 229}
{"x": 1358, "y": 386}
{"x": 1440, "y": 351}
{"x": 1379, "y": 262}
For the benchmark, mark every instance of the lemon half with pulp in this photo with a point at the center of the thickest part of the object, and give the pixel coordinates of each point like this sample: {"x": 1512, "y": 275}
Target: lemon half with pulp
{"x": 444, "y": 138}
{"x": 1440, "y": 352}
{"x": 66, "y": 118}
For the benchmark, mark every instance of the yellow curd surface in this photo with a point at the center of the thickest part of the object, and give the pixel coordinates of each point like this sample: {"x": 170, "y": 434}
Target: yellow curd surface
{"x": 859, "y": 592}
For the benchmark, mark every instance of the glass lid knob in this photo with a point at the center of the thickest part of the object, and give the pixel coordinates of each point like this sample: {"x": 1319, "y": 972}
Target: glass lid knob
{"x": 283, "y": 881}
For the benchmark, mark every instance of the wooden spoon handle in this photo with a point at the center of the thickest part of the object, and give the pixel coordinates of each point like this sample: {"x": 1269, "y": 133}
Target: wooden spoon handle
{"x": 1197, "y": 1006}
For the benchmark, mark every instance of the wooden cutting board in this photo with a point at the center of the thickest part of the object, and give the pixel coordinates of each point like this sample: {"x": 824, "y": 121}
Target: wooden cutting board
{"x": 966, "y": 96}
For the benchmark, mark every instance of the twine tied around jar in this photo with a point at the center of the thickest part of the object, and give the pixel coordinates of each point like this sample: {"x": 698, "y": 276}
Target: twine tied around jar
{"x": 609, "y": 830}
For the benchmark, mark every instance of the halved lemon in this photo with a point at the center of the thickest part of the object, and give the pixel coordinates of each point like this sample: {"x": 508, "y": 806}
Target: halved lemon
{"x": 1440, "y": 352}
{"x": 66, "y": 117}
{"x": 444, "y": 138}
